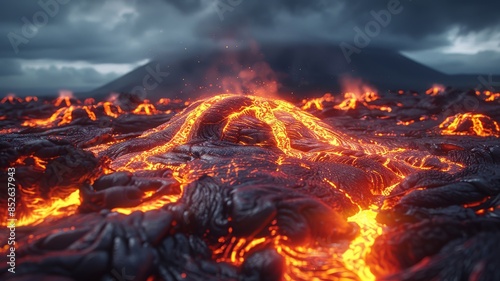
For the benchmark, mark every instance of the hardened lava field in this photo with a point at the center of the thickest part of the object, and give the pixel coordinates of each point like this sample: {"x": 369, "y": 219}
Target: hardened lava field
{"x": 359, "y": 186}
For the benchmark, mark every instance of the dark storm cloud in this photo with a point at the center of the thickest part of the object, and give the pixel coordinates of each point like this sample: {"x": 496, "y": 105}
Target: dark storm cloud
{"x": 421, "y": 24}
{"x": 427, "y": 17}
{"x": 82, "y": 30}
{"x": 13, "y": 11}
{"x": 237, "y": 15}
{"x": 93, "y": 31}
{"x": 9, "y": 67}
{"x": 256, "y": 8}
{"x": 62, "y": 37}
{"x": 186, "y": 6}
{"x": 67, "y": 77}
{"x": 128, "y": 31}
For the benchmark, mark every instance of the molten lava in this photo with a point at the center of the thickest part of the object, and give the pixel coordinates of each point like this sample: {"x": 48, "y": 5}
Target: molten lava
{"x": 277, "y": 179}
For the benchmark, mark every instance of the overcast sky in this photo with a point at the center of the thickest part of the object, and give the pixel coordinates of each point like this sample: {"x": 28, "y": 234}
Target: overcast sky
{"x": 84, "y": 44}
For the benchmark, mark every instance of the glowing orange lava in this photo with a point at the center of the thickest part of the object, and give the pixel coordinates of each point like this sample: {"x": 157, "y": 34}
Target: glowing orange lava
{"x": 317, "y": 102}
{"x": 145, "y": 108}
{"x": 435, "y": 90}
{"x": 312, "y": 262}
{"x": 470, "y": 124}
{"x": 61, "y": 117}
{"x": 488, "y": 96}
{"x": 55, "y": 207}
{"x": 354, "y": 257}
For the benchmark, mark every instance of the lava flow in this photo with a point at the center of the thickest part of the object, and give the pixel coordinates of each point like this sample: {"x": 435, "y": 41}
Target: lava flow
{"x": 354, "y": 186}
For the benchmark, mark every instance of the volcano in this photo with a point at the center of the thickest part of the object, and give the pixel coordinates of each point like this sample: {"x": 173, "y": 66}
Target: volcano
{"x": 304, "y": 71}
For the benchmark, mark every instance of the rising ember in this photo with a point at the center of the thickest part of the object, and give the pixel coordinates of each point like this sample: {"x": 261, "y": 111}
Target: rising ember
{"x": 353, "y": 186}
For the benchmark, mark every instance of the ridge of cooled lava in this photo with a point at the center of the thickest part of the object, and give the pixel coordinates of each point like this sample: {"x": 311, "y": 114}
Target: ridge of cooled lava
{"x": 396, "y": 186}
